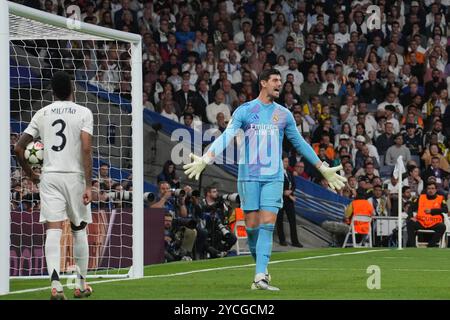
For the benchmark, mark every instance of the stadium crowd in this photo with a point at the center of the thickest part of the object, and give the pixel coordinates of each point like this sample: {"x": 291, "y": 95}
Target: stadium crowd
{"x": 362, "y": 97}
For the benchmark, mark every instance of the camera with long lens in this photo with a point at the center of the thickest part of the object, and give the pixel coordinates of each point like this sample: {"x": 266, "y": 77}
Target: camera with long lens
{"x": 223, "y": 229}
{"x": 224, "y": 239}
{"x": 149, "y": 196}
{"x": 120, "y": 195}
{"x": 194, "y": 193}
{"x": 128, "y": 196}
{"x": 178, "y": 192}
{"x": 232, "y": 197}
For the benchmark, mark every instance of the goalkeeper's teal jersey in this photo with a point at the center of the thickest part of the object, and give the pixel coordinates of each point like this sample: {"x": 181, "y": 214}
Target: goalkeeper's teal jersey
{"x": 260, "y": 129}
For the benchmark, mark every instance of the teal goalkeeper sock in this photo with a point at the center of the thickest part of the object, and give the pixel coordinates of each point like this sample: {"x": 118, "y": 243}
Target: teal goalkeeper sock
{"x": 264, "y": 247}
{"x": 252, "y": 237}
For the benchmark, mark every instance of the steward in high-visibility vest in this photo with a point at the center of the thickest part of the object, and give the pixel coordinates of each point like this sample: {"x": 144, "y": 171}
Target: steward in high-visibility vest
{"x": 359, "y": 206}
{"x": 429, "y": 208}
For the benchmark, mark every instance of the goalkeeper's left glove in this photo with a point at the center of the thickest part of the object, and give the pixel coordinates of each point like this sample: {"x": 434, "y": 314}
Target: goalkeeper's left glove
{"x": 335, "y": 181}
{"x": 196, "y": 167}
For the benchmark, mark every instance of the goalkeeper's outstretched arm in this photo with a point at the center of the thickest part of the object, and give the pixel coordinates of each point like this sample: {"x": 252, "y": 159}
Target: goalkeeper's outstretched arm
{"x": 198, "y": 164}
{"x": 335, "y": 181}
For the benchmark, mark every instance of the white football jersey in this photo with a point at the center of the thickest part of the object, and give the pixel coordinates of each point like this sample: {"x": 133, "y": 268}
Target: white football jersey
{"x": 59, "y": 125}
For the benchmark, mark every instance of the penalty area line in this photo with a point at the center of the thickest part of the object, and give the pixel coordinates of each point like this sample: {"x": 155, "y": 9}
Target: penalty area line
{"x": 207, "y": 270}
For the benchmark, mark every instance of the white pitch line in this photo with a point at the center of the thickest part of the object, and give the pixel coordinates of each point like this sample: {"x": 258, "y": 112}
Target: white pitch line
{"x": 207, "y": 270}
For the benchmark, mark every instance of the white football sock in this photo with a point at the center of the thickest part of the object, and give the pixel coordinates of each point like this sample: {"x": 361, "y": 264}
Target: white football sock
{"x": 53, "y": 256}
{"x": 81, "y": 254}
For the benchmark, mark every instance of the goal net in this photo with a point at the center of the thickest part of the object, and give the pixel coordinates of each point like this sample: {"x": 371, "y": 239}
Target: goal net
{"x": 106, "y": 68}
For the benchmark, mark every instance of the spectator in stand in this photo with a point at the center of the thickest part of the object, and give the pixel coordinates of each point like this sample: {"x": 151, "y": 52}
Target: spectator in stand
{"x": 362, "y": 156}
{"x": 325, "y": 142}
{"x": 438, "y": 129}
{"x": 221, "y": 124}
{"x": 293, "y": 70}
{"x": 385, "y": 140}
{"x": 169, "y": 174}
{"x": 433, "y": 151}
{"x": 299, "y": 170}
{"x": 435, "y": 170}
{"x": 184, "y": 95}
{"x": 104, "y": 177}
{"x": 414, "y": 181}
{"x": 302, "y": 124}
{"x": 218, "y": 106}
{"x": 168, "y": 110}
{"x": 397, "y": 150}
{"x": 360, "y": 142}
{"x": 231, "y": 98}
{"x": 390, "y": 117}
{"x": 380, "y": 201}
{"x": 413, "y": 140}
{"x": 325, "y": 128}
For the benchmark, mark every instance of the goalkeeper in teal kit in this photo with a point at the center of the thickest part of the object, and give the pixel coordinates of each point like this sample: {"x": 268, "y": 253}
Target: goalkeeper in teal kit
{"x": 262, "y": 124}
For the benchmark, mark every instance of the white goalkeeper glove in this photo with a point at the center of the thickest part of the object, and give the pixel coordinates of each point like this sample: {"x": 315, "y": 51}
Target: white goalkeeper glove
{"x": 335, "y": 181}
{"x": 196, "y": 167}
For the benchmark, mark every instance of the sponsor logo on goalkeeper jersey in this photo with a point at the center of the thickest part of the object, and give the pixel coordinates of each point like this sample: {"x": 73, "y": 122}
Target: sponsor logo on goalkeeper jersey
{"x": 263, "y": 129}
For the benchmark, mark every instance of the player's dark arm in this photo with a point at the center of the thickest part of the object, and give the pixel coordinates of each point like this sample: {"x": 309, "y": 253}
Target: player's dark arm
{"x": 86, "y": 150}
{"x": 19, "y": 150}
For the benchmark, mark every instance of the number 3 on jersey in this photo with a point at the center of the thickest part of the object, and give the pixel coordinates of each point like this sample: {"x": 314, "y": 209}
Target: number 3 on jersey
{"x": 60, "y": 133}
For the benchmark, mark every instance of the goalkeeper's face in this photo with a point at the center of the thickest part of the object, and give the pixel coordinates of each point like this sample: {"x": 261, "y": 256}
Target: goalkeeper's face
{"x": 273, "y": 86}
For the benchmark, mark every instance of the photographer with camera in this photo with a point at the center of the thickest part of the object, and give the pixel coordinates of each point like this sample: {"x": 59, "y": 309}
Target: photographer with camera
{"x": 174, "y": 201}
{"x": 120, "y": 198}
{"x": 214, "y": 219}
{"x": 173, "y": 241}
{"x": 194, "y": 209}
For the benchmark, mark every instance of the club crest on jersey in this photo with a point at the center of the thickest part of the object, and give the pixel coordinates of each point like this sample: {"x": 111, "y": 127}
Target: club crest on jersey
{"x": 275, "y": 118}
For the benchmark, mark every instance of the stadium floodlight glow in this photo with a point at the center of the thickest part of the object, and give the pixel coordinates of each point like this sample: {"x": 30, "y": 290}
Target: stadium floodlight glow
{"x": 29, "y": 39}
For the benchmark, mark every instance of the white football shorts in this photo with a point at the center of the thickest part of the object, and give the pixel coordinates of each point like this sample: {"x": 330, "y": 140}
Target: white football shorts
{"x": 62, "y": 198}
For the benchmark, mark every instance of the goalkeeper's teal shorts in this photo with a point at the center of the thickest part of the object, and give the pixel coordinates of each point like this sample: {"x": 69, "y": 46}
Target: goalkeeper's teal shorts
{"x": 261, "y": 195}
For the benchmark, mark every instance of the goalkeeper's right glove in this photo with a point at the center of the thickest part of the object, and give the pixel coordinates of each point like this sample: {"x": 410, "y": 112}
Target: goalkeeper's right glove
{"x": 196, "y": 167}
{"x": 335, "y": 181}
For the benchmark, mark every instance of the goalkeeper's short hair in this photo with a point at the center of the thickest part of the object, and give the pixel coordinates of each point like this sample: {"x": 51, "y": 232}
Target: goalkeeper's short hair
{"x": 62, "y": 85}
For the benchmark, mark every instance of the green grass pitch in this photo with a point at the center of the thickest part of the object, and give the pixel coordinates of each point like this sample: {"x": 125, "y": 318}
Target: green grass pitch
{"x": 303, "y": 274}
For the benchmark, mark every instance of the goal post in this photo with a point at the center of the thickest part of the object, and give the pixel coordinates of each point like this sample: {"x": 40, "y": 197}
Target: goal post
{"x": 4, "y": 149}
{"x": 24, "y": 35}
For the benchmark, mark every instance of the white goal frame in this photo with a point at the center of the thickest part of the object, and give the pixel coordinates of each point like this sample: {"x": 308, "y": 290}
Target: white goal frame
{"x": 6, "y": 7}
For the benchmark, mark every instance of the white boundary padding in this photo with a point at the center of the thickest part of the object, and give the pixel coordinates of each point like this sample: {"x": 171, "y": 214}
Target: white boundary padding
{"x": 138, "y": 160}
{"x": 5, "y": 162}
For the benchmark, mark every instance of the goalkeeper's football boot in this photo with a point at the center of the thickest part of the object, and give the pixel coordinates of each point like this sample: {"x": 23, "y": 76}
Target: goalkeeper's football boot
{"x": 80, "y": 294}
{"x": 261, "y": 283}
{"x": 268, "y": 277}
{"x": 57, "y": 295}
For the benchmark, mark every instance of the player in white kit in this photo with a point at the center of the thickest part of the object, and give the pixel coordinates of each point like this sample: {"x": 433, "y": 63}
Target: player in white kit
{"x": 65, "y": 129}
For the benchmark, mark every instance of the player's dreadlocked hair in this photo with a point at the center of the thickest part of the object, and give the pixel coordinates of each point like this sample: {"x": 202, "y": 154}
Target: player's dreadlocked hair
{"x": 62, "y": 85}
